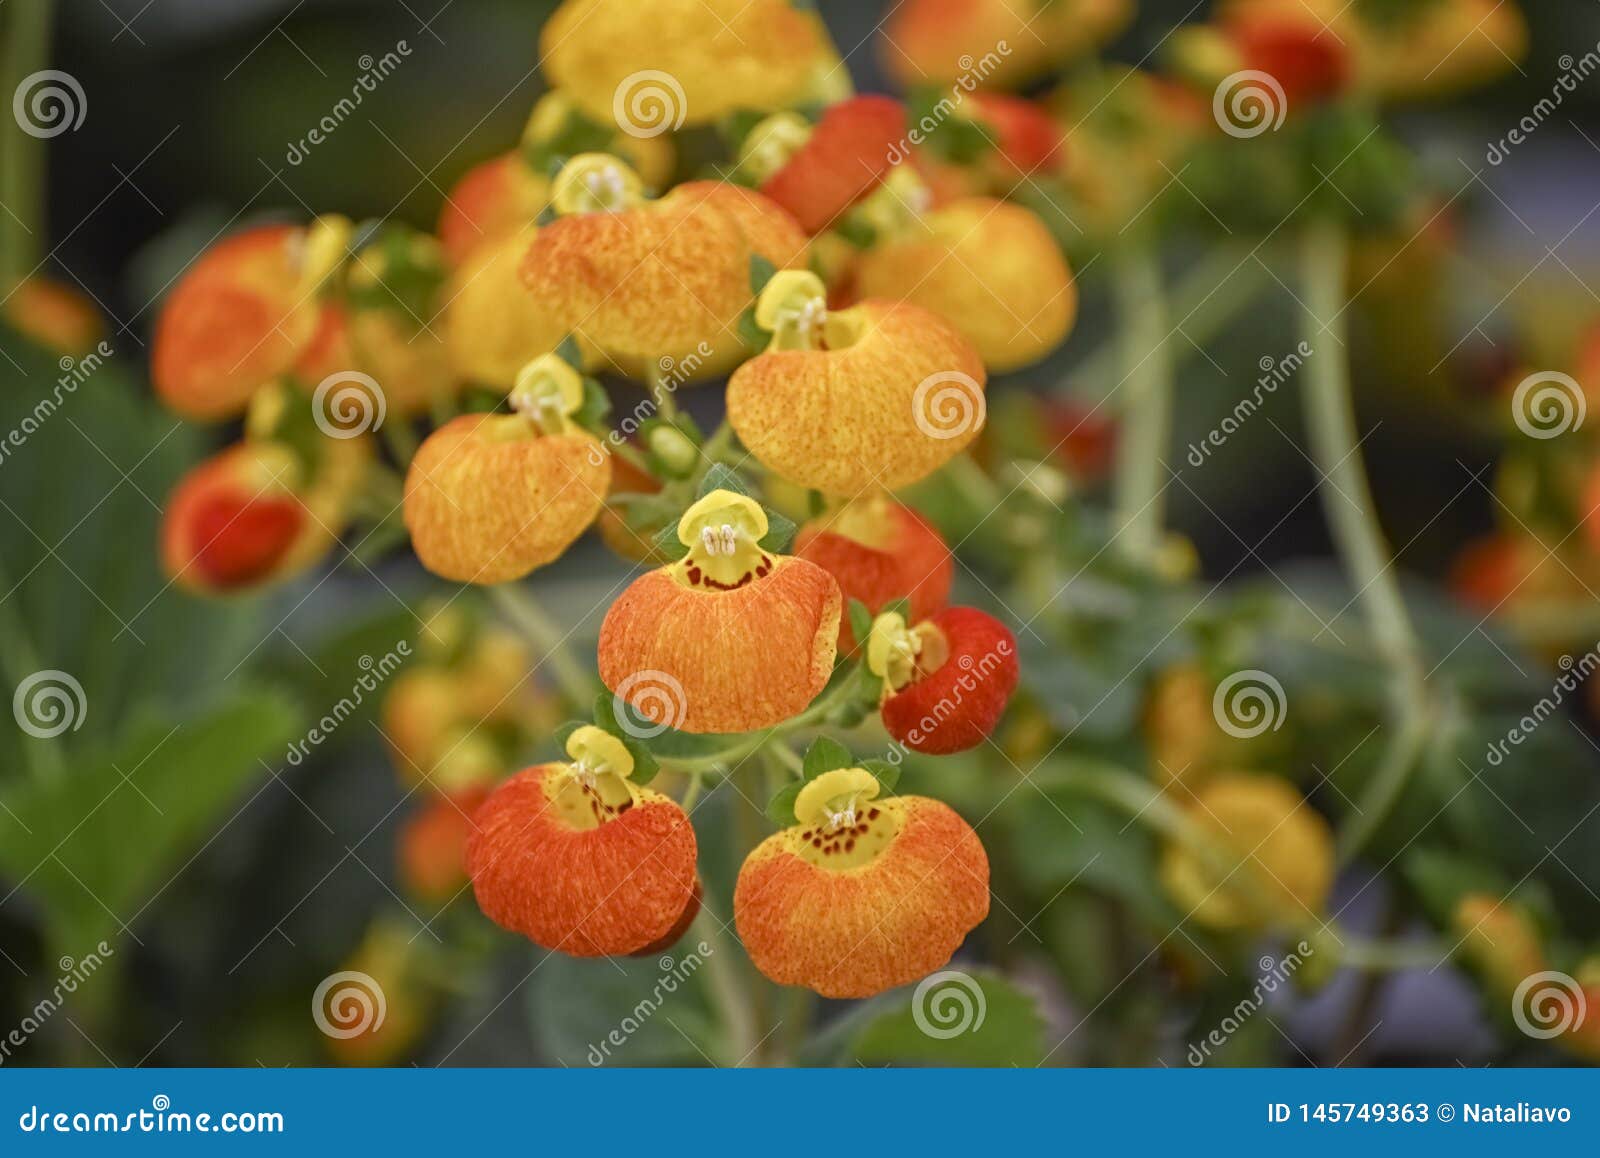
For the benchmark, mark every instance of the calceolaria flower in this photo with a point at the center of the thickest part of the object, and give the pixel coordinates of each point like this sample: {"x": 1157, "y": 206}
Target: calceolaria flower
{"x": 861, "y": 894}
{"x": 990, "y": 268}
{"x": 1268, "y": 858}
{"x": 490, "y": 497}
{"x": 818, "y": 171}
{"x": 433, "y": 845}
{"x": 577, "y": 858}
{"x": 52, "y": 314}
{"x": 655, "y": 285}
{"x": 257, "y": 513}
{"x": 717, "y": 57}
{"x": 492, "y": 326}
{"x": 873, "y": 397}
{"x": 732, "y": 637}
{"x": 242, "y": 315}
{"x": 395, "y": 299}
{"x": 936, "y": 42}
{"x": 880, "y": 551}
{"x": 947, "y": 679}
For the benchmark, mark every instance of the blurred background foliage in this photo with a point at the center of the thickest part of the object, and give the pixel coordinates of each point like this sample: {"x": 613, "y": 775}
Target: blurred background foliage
{"x": 231, "y": 881}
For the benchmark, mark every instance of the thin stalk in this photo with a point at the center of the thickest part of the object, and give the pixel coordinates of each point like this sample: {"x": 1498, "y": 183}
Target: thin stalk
{"x": 24, "y": 50}
{"x": 730, "y": 995}
{"x": 546, "y": 635}
{"x": 1351, "y": 513}
{"x": 1147, "y": 412}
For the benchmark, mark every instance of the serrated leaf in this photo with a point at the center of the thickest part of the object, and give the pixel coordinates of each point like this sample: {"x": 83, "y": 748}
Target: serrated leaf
{"x": 824, "y": 755}
{"x": 780, "y": 809}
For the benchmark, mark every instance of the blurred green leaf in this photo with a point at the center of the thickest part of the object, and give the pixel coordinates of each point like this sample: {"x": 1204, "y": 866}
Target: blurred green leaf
{"x": 951, "y": 1018}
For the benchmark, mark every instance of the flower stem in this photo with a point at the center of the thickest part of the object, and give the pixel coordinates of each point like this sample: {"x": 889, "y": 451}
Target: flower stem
{"x": 545, "y": 634}
{"x": 730, "y": 996}
{"x": 1147, "y": 413}
{"x": 24, "y": 50}
{"x": 1348, "y": 505}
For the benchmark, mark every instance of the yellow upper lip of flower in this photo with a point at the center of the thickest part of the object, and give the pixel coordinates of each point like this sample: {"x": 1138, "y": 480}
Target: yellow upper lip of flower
{"x": 723, "y": 532}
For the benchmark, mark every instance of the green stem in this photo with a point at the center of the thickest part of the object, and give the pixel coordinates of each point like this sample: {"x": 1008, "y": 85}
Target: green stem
{"x": 401, "y": 440}
{"x": 735, "y": 753}
{"x": 1202, "y": 302}
{"x": 1352, "y": 519}
{"x": 730, "y": 995}
{"x": 531, "y": 619}
{"x": 25, "y": 45}
{"x": 1147, "y": 411}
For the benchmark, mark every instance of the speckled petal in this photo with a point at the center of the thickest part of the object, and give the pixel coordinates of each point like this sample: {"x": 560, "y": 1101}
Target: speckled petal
{"x": 880, "y": 554}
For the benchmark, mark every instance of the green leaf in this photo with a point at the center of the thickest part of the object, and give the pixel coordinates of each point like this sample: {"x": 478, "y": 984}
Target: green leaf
{"x": 824, "y": 755}
{"x": 615, "y": 715}
{"x": 860, "y": 620}
{"x": 626, "y": 1011}
{"x": 761, "y": 272}
{"x": 950, "y": 1018}
{"x": 722, "y": 477}
{"x": 596, "y": 405}
{"x": 888, "y": 774}
{"x": 98, "y": 842}
{"x": 667, "y": 544}
{"x": 780, "y": 809}
{"x": 780, "y": 531}
{"x": 569, "y": 352}
{"x": 750, "y": 333}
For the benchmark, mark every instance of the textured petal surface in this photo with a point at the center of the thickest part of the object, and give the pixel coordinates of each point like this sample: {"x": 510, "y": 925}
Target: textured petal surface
{"x": 237, "y": 319}
{"x": 723, "y": 661}
{"x": 955, "y": 706}
{"x": 904, "y": 558}
{"x": 859, "y": 931}
{"x": 589, "y": 892}
{"x": 483, "y": 508}
{"x": 493, "y": 327}
{"x": 989, "y": 267}
{"x": 845, "y": 157}
{"x": 851, "y": 420}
